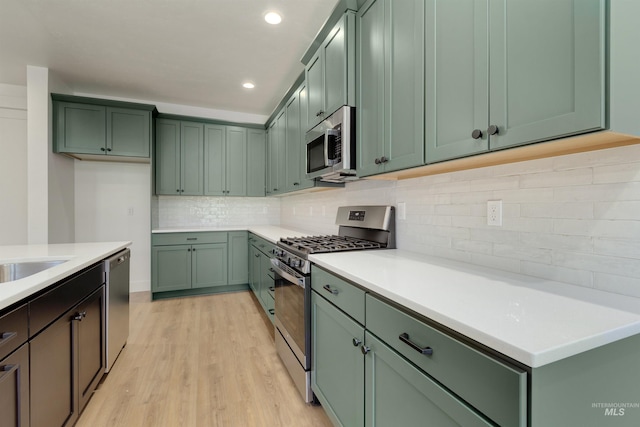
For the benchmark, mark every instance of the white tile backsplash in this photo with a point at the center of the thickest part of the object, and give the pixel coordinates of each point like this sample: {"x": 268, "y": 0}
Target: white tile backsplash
{"x": 573, "y": 218}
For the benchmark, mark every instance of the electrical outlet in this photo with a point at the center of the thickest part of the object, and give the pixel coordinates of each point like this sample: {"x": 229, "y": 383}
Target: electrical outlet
{"x": 402, "y": 210}
{"x": 494, "y": 213}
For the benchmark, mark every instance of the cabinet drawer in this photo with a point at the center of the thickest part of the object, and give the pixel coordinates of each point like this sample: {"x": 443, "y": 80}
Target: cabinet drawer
{"x": 261, "y": 244}
{"x": 48, "y": 307}
{"x": 14, "y": 329}
{"x": 194, "y": 238}
{"x": 339, "y": 292}
{"x": 491, "y": 386}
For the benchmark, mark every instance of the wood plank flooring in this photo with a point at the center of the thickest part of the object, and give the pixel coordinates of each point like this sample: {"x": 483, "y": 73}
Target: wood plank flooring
{"x": 199, "y": 362}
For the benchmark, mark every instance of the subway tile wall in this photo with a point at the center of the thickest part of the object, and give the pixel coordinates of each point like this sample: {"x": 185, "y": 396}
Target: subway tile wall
{"x": 197, "y": 211}
{"x": 574, "y": 218}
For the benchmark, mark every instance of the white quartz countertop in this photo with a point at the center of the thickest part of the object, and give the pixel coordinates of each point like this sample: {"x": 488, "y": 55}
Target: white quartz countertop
{"x": 531, "y": 320}
{"x": 273, "y": 233}
{"x": 78, "y": 256}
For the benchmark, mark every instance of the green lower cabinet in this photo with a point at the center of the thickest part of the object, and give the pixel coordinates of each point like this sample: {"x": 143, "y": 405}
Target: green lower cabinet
{"x": 195, "y": 263}
{"x": 171, "y": 268}
{"x": 209, "y": 265}
{"x": 337, "y": 370}
{"x": 399, "y": 394}
{"x": 261, "y": 279}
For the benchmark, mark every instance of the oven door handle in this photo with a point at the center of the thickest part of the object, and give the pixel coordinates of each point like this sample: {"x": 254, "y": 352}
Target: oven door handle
{"x": 300, "y": 281}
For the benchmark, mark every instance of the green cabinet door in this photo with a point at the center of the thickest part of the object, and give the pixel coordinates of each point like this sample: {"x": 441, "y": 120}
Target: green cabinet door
{"x": 256, "y": 163}
{"x": 209, "y": 265}
{"x": 371, "y": 99}
{"x": 399, "y": 394}
{"x": 335, "y": 67}
{"x": 80, "y": 128}
{"x": 238, "y": 262}
{"x": 171, "y": 268}
{"x": 302, "y": 101}
{"x": 337, "y": 364}
{"x": 315, "y": 86}
{"x": 547, "y": 69}
{"x": 390, "y": 86}
{"x": 167, "y": 157}
{"x": 456, "y": 78}
{"x": 236, "y": 160}
{"x": 128, "y": 132}
{"x": 274, "y": 161}
{"x": 215, "y": 169}
{"x": 280, "y": 141}
{"x": 266, "y": 282}
{"x": 191, "y": 159}
{"x": 293, "y": 144}
{"x": 254, "y": 270}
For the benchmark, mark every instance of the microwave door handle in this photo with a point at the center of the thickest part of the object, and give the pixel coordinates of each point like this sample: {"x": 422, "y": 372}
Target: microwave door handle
{"x": 326, "y": 147}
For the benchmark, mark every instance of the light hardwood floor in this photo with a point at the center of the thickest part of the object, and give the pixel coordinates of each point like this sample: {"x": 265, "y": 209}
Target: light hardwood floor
{"x": 199, "y": 362}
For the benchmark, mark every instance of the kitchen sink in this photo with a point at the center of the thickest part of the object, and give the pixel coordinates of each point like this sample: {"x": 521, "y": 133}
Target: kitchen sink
{"x": 19, "y": 270}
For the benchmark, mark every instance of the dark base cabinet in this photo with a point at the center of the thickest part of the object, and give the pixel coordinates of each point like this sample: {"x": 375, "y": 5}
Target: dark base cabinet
{"x": 14, "y": 389}
{"x": 67, "y": 362}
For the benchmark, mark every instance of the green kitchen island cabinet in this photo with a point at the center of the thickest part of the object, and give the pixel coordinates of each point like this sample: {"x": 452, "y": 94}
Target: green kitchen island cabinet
{"x": 330, "y": 72}
{"x": 196, "y": 263}
{"x": 225, "y": 164}
{"x": 514, "y": 73}
{"x": 390, "y": 86}
{"x": 98, "y": 129}
{"x": 179, "y": 153}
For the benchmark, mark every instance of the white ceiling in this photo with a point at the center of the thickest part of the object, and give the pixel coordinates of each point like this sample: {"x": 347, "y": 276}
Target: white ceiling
{"x": 187, "y": 52}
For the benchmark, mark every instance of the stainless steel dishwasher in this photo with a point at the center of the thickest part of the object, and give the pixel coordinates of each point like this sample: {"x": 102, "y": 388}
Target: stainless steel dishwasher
{"x": 117, "y": 314}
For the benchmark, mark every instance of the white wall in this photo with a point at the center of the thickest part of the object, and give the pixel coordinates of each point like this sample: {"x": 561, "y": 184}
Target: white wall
{"x": 573, "y": 219}
{"x": 13, "y": 164}
{"x": 112, "y": 203}
{"x": 61, "y": 216}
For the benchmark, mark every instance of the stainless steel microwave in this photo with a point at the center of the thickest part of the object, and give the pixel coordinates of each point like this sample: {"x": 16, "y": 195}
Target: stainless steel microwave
{"x": 331, "y": 147}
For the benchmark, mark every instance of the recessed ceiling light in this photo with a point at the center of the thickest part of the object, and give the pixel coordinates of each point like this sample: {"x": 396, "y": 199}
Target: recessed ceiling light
{"x": 248, "y": 85}
{"x": 273, "y": 18}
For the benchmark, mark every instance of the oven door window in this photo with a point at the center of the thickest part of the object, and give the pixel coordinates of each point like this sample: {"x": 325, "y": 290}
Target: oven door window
{"x": 289, "y": 307}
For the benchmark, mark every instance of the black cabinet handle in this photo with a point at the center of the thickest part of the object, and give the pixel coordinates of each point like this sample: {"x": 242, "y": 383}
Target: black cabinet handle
{"x": 493, "y": 130}
{"x": 192, "y": 238}
{"x": 272, "y": 288}
{"x": 101, "y": 148}
{"x": 188, "y": 249}
{"x": 182, "y": 191}
{"x": 296, "y": 183}
{"x": 257, "y": 255}
{"x": 356, "y": 342}
{"x": 364, "y": 349}
{"x": 404, "y": 337}
{"x": 272, "y": 270}
{"x": 108, "y": 149}
{"x": 383, "y": 159}
{"x": 272, "y": 311}
{"x": 476, "y": 134}
{"x": 330, "y": 290}
{"x": 319, "y": 113}
{"x": 178, "y": 190}
{"x": 8, "y": 369}
{"x": 6, "y": 336}
{"x": 377, "y": 161}
{"x": 80, "y": 315}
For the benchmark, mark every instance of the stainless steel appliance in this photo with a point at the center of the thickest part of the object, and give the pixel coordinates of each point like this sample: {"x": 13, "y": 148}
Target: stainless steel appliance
{"x": 331, "y": 147}
{"x": 117, "y": 314}
{"x": 360, "y": 227}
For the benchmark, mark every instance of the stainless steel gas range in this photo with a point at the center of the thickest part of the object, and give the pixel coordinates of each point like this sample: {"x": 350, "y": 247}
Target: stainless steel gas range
{"x": 360, "y": 228}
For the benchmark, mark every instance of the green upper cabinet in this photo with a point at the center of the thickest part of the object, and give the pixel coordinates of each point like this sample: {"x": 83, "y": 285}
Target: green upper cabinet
{"x": 390, "y": 86}
{"x": 330, "y": 73}
{"x": 256, "y": 163}
{"x": 225, "y": 152}
{"x": 293, "y": 144}
{"x": 89, "y": 128}
{"x": 128, "y": 132}
{"x": 501, "y": 75}
{"x": 179, "y": 157}
{"x": 276, "y": 182}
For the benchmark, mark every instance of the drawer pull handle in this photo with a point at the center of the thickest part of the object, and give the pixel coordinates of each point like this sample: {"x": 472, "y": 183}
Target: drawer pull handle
{"x": 404, "y": 337}
{"x": 79, "y": 316}
{"x": 192, "y": 238}
{"x": 272, "y": 288}
{"x": 331, "y": 291}
{"x": 6, "y": 336}
{"x": 271, "y": 311}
